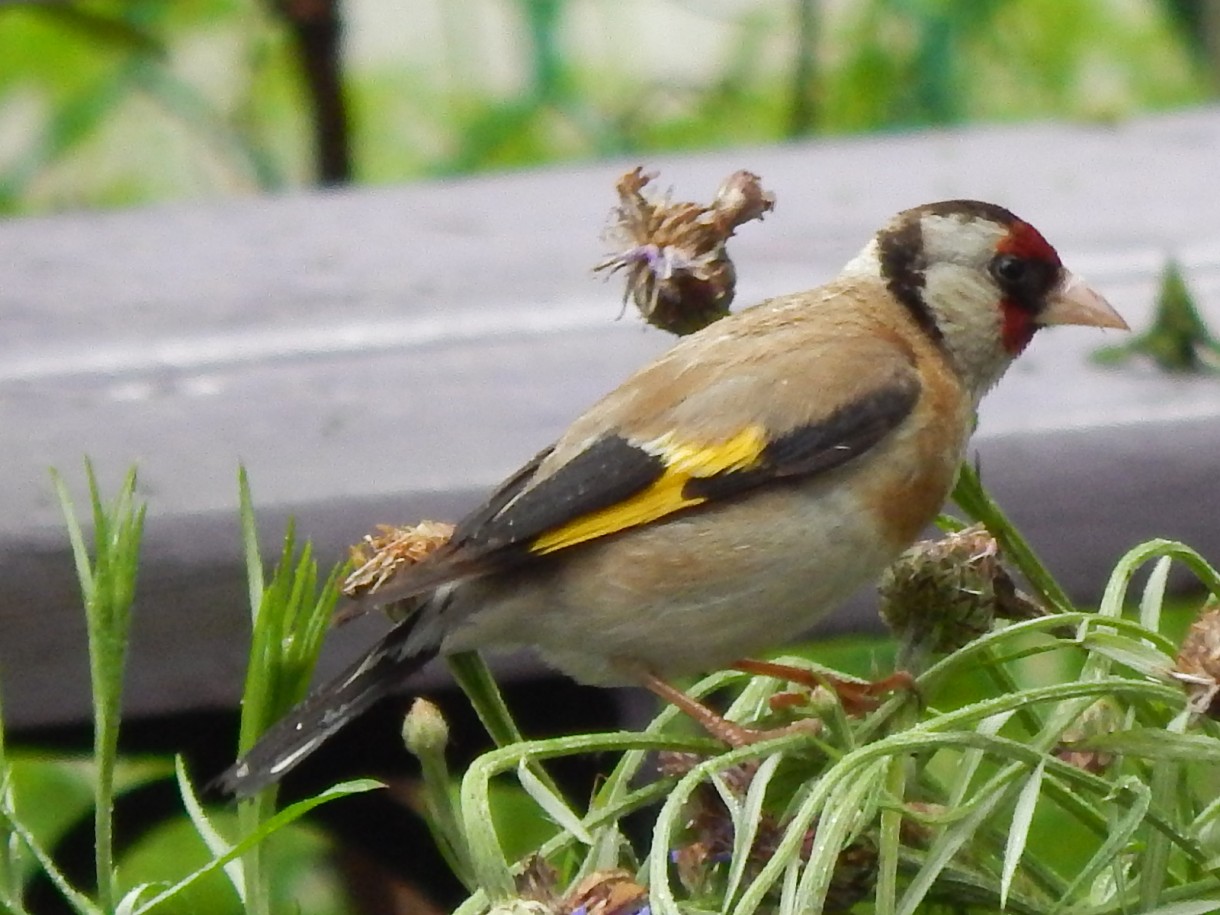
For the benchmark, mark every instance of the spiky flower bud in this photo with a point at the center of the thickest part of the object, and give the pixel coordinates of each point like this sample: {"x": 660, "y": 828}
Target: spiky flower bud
{"x": 941, "y": 594}
{"x": 678, "y": 271}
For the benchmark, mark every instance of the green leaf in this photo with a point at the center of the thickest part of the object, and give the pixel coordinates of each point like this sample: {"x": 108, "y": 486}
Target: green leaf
{"x": 746, "y": 823}
{"x": 1156, "y": 744}
{"x": 1018, "y": 830}
{"x": 99, "y": 28}
{"x": 1117, "y": 839}
{"x": 267, "y": 828}
{"x": 552, "y": 804}
{"x": 1191, "y": 907}
{"x": 217, "y": 844}
{"x": 1138, "y": 655}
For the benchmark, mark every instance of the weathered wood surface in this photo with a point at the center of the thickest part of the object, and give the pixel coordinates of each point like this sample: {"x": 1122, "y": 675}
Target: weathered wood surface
{"x": 385, "y": 354}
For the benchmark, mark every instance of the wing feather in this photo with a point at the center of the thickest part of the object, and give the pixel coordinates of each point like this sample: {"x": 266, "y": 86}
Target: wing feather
{"x": 711, "y": 420}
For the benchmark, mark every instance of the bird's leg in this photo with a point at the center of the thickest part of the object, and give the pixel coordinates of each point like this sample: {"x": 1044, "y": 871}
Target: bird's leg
{"x": 857, "y": 698}
{"x": 719, "y": 727}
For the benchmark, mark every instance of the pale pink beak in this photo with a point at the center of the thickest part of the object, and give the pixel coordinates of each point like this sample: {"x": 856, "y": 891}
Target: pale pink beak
{"x": 1073, "y": 302}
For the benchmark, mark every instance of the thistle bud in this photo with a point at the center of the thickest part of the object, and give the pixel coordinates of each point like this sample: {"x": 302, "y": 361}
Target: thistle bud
{"x": 941, "y": 594}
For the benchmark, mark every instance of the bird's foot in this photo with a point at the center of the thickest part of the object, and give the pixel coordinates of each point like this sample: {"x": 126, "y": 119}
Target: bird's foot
{"x": 858, "y": 697}
{"x": 727, "y": 732}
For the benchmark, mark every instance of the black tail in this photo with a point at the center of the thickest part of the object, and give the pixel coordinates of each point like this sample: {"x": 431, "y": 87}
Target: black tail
{"x": 382, "y": 670}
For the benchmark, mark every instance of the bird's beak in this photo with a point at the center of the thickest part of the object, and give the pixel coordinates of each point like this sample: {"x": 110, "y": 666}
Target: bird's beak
{"x": 1073, "y": 302}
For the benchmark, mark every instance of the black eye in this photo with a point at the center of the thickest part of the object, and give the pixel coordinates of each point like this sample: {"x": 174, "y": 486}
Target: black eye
{"x": 1010, "y": 271}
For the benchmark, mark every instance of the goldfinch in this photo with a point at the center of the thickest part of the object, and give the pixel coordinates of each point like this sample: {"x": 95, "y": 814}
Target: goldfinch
{"x": 729, "y": 494}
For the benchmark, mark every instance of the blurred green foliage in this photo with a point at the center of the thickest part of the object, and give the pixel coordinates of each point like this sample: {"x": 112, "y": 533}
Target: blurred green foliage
{"x": 113, "y": 102}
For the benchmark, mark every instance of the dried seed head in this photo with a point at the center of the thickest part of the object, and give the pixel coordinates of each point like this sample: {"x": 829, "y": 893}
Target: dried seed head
{"x": 941, "y": 594}
{"x": 1198, "y": 666}
{"x": 678, "y": 271}
{"x": 380, "y": 556}
{"x": 611, "y": 892}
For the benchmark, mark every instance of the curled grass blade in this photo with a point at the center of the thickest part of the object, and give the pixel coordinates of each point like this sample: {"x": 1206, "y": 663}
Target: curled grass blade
{"x": 265, "y": 829}
{"x": 217, "y": 844}
{"x": 745, "y": 825}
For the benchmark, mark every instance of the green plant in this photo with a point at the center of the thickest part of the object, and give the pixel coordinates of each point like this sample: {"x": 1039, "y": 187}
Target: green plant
{"x": 1074, "y": 774}
{"x": 290, "y": 610}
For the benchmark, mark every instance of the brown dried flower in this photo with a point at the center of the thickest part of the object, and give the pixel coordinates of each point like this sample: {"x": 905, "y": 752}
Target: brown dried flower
{"x": 537, "y": 880}
{"x": 611, "y": 892}
{"x": 378, "y": 557}
{"x": 1198, "y": 666}
{"x": 608, "y": 892}
{"x": 678, "y": 271}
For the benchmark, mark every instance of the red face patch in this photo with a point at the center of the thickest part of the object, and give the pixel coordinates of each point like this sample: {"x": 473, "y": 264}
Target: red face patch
{"x": 1018, "y": 327}
{"x": 1026, "y": 244}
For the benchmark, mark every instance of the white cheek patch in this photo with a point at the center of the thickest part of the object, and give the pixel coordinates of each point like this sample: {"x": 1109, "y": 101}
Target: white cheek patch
{"x": 967, "y": 308}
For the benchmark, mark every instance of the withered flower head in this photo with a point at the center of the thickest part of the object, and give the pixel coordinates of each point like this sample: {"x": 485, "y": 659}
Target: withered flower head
{"x": 941, "y": 594}
{"x": 612, "y": 892}
{"x": 537, "y": 882}
{"x": 678, "y": 271}
{"x": 380, "y": 556}
{"x": 1198, "y": 666}
{"x": 709, "y": 838}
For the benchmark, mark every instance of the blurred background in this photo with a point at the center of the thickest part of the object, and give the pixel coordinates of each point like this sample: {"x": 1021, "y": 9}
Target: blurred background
{"x": 116, "y": 102}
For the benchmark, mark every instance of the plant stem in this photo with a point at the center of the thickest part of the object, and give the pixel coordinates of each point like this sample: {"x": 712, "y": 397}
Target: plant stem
{"x": 108, "y": 590}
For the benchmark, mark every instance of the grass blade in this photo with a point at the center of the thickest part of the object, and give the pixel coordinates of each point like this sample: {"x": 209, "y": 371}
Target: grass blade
{"x": 1018, "y": 830}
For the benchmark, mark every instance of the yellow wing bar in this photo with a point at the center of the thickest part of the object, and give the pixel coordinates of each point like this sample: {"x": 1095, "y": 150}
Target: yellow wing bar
{"x": 683, "y": 460}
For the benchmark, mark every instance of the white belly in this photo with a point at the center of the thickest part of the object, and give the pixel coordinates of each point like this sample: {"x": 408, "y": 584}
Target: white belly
{"x": 654, "y": 597}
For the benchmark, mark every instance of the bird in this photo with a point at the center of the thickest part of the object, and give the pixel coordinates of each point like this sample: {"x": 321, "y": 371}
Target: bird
{"x": 732, "y": 492}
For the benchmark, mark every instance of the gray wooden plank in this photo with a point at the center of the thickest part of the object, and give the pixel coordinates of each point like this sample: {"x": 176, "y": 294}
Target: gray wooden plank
{"x": 387, "y": 353}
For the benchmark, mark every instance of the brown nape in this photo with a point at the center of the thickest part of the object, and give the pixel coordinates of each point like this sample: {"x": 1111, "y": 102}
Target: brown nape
{"x": 900, "y": 254}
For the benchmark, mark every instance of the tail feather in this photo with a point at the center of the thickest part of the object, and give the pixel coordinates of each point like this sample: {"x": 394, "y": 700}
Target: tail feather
{"x": 306, "y": 727}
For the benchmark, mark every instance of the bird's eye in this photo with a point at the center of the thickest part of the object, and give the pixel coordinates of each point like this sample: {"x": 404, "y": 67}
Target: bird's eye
{"x": 1009, "y": 270}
